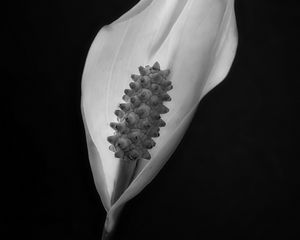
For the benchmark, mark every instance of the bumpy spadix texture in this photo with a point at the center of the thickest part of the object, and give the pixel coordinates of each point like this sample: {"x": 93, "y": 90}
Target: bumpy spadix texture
{"x": 195, "y": 39}
{"x": 139, "y": 119}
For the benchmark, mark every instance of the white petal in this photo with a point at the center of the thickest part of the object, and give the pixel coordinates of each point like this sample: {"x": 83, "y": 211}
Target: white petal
{"x": 196, "y": 39}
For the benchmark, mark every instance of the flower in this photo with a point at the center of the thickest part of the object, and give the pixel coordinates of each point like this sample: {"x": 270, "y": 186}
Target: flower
{"x": 195, "y": 40}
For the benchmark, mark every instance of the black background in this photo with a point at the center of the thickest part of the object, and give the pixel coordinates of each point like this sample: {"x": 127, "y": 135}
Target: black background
{"x": 235, "y": 174}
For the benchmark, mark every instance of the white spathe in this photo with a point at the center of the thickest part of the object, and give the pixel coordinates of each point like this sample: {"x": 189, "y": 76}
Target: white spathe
{"x": 195, "y": 39}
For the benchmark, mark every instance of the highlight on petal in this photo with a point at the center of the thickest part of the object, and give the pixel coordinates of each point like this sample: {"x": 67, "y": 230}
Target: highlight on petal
{"x": 195, "y": 39}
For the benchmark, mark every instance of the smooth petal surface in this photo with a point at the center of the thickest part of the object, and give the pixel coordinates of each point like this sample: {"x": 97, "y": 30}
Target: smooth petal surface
{"x": 195, "y": 39}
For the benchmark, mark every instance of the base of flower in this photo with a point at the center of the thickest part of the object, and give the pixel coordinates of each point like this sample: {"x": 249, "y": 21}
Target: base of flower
{"x": 111, "y": 221}
{"x": 125, "y": 175}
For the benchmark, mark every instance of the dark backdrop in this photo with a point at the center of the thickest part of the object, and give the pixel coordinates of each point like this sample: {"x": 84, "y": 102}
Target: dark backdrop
{"x": 234, "y": 176}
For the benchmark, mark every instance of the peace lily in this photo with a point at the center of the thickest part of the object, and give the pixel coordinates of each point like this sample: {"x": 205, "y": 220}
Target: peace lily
{"x": 195, "y": 39}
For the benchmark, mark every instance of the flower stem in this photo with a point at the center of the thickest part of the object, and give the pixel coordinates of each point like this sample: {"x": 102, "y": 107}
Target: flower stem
{"x": 106, "y": 235}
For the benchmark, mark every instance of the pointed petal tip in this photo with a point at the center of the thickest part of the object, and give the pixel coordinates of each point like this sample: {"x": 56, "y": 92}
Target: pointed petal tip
{"x": 137, "y": 9}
